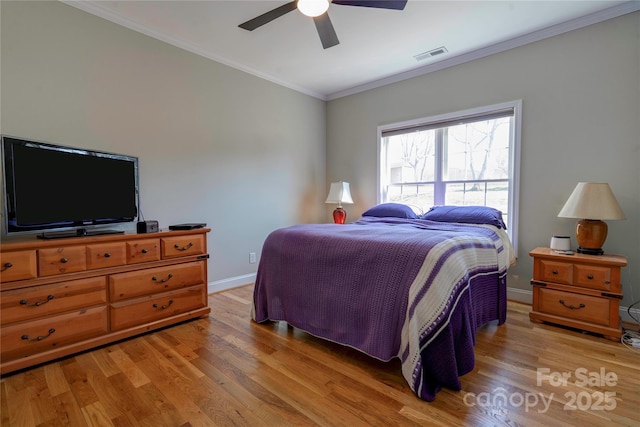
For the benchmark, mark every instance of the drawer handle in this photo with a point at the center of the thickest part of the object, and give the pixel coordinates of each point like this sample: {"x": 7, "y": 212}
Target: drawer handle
{"x": 107, "y": 255}
{"x": 590, "y": 276}
{"x": 155, "y": 279}
{"x": 555, "y": 271}
{"x": 144, "y": 251}
{"x": 37, "y": 303}
{"x": 64, "y": 260}
{"x": 7, "y": 265}
{"x": 163, "y": 307}
{"x": 572, "y": 307}
{"x": 38, "y": 338}
{"x": 183, "y": 248}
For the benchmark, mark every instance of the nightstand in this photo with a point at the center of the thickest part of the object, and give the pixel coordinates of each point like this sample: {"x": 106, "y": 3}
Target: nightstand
{"x": 579, "y": 291}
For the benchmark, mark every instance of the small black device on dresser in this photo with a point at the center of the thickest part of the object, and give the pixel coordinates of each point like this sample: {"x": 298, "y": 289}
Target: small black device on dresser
{"x": 188, "y": 226}
{"x": 147, "y": 226}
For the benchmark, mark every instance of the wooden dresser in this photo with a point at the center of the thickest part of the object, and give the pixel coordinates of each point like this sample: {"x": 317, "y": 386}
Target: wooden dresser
{"x": 63, "y": 296}
{"x": 579, "y": 291}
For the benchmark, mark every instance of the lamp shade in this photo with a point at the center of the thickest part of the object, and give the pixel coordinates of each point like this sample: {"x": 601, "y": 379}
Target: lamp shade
{"x": 339, "y": 193}
{"x": 592, "y": 200}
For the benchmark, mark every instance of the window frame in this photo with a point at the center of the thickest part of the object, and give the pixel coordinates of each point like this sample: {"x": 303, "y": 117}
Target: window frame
{"x": 514, "y": 153}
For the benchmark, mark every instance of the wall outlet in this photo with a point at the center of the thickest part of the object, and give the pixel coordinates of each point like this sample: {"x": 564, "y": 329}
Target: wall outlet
{"x": 252, "y": 257}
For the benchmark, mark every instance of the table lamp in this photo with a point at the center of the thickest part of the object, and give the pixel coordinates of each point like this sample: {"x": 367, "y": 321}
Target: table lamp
{"x": 592, "y": 202}
{"x": 339, "y": 193}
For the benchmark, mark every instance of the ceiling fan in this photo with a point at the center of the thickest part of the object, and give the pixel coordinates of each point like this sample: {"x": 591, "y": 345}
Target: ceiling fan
{"x": 317, "y": 9}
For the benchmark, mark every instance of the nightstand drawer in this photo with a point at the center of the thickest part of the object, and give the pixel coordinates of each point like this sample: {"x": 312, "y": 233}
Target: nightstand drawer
{"x": 556, "y": 272}
{"x": 594, "y": 277}
{"x": 574, "y": 306}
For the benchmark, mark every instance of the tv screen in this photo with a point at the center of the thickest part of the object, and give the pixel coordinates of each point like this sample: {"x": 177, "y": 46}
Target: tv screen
{"x": 51, "y": 186}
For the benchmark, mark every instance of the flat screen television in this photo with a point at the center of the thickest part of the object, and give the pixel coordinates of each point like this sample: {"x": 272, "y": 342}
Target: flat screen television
{"x": 48, "y": 186}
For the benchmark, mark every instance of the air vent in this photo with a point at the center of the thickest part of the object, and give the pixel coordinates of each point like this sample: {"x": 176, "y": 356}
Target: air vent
{"x": 430, "y": 54}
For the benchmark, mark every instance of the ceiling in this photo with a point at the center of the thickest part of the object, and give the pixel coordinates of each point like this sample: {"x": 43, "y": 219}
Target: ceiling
{"x": 377, "y": 46}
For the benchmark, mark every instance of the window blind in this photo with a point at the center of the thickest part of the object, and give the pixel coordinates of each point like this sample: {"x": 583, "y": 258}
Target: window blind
{"x": 506, "y": 112}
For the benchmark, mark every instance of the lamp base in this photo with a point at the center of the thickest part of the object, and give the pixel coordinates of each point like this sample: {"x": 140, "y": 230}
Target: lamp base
{"x": 339, "y": 215}
{"x": 591, "y": 234}
{"x": 587, "y": 251}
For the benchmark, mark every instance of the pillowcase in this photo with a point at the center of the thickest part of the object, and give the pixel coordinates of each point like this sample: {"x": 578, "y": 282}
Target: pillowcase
{"x": 466, "y": 215}
{"x": 396, "y": 210}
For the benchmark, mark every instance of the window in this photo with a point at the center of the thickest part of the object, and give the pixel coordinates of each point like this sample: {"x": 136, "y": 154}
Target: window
{"x": 465, "y": 158}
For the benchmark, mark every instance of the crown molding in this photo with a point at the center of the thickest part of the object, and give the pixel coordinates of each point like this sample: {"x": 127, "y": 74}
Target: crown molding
{"x": 584, "y": 21}
{"x": 94, "y": 8}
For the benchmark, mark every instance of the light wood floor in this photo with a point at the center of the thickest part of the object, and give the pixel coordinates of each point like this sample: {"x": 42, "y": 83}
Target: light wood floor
{"x": 228, "y": 371}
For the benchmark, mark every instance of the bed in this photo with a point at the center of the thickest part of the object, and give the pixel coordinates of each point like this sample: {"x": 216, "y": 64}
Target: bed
{"x": 400, "y": 286}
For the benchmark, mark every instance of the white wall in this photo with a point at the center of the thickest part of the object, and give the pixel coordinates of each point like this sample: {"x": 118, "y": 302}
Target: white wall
{"x": 581, "y": 122}
{"x": 215, "y": 145}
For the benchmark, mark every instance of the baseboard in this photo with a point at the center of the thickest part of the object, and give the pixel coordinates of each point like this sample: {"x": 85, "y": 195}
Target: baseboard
{"x": 626, "y": 317}
{"x": 231, "y": 282}
{"x": 520, "y": 295}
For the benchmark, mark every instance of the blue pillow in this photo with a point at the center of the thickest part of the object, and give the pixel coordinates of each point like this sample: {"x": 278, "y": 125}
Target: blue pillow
{"x": 395, "y": 210}
{"x": 466, "y": 214}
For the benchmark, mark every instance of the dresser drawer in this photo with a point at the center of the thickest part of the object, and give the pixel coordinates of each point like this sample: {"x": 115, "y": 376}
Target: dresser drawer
{"x": 590, "y": 276}
{"x": 33, "y": 302}
{"x": 128, "y": 313}
{"x": 24, "y": 339}
{"x": 557, "y": 272}
{"x": 61, "y": 260}
{"x": 182, "y": 245}
{"x": 106, "y": 255}
{"x": 18, "y": 265}
{"x": 155, "y": 280}
{"x": 573, "y": 306}
{"x": 143, "y": 251}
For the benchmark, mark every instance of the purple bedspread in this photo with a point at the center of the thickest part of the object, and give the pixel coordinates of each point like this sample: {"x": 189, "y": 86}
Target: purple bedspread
{"x": 390, "y": 287}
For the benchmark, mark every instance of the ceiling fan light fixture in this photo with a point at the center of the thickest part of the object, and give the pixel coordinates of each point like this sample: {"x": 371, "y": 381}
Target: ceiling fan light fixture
{"x": 313, "y": 8}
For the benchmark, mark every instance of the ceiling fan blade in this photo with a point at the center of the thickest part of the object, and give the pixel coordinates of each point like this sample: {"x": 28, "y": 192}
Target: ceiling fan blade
{"x": 265, "y": 18}
{"x": 326, "y": 32}
{"x": 380, "y": 4}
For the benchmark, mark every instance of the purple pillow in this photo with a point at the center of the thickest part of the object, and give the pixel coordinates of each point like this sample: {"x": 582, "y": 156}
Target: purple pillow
{"x": 466, "y": 214}
{"x": 395, "y": 210}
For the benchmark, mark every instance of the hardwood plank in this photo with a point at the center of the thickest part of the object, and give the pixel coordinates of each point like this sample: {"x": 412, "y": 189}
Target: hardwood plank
{"x": 267, "y": 406}
{"x": 130, "y": 369}
{"x": 4, "y": 405}
{"x": 17, "y": 403}
{"x": 40, "y": 401}
{"x": 228, "y": 370}
{"x": 79, "y": 384}
{"x": 68, "y": 413}
{"x": 166, "y": 414}
{"x": 56, "y": 381}
{"x": 106, "y": 364}
{"x": 175, "y": 389}
{"x": 96, "y": 415}
{"x": 170, "y": 353}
